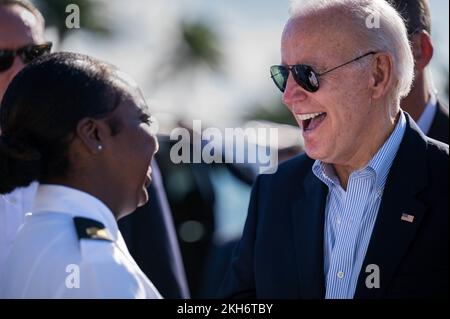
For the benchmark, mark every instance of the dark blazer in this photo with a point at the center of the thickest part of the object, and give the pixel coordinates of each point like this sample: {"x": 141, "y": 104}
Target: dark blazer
{"x": 439, "y": 129}
{"x": 150, "y": 236}
{"x": 281, "y": 252}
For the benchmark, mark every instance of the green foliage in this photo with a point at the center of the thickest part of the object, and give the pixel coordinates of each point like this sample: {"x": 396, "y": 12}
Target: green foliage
{"x": 200, "y": 43}
{"x": 197, "y": 46}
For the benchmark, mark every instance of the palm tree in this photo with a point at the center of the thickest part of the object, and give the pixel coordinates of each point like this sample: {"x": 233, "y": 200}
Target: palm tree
{"x": 199, "y": 45}
{"x": 197, "y": 48}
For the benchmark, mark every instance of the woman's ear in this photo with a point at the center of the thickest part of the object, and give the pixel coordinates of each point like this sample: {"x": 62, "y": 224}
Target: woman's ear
{"x": 381, "y": 75}
{"x": 92, "y": 134}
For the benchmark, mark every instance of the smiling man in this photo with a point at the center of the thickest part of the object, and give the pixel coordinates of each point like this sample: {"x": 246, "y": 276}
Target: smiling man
{"x": 364, "y": 213}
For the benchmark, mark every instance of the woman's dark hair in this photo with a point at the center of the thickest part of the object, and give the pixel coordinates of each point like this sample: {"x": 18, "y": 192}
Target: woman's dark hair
{"x": 41, "y": 109}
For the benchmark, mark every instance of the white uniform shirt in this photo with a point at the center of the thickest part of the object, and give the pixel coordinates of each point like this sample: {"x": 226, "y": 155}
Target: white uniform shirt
{"x": 13, "y": 207}
{"x": 48, "y": 260}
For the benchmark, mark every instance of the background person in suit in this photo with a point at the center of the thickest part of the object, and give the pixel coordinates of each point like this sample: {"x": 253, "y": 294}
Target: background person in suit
{"x": 21, "y": 24}
{"x": 369, "y": 191}
{"x": 422, "y": 103}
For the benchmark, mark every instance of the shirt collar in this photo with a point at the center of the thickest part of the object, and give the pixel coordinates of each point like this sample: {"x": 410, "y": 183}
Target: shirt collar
{"x": 325, "y": 172}
{"x": 66, "y": 200}
{"x": 426, "y": 118}
{"x": 380, "y": 163}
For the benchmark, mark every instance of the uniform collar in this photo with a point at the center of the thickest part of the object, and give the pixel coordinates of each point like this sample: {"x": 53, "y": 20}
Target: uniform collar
{"x": 67, "y": 200}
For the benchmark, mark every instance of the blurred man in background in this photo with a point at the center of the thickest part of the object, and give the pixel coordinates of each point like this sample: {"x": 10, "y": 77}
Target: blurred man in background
{"x": 21, "y": 33}
{"x": 21, "y": 28}
{"x": 423, "y": 103}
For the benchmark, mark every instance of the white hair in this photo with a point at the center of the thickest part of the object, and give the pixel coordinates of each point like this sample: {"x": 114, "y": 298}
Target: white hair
{"x": 389, "y": 35}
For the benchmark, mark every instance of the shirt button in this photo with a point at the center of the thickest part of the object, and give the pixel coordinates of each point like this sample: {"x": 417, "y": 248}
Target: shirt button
{"x": 340, "y": 274}
{"x": 338, "y": 221}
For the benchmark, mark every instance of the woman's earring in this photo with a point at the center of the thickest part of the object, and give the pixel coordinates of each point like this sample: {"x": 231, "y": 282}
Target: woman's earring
{"x": 99, "y": 147}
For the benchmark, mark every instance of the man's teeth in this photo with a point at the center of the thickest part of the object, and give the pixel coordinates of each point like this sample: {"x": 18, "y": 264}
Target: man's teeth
{"x": 305, "y": 117}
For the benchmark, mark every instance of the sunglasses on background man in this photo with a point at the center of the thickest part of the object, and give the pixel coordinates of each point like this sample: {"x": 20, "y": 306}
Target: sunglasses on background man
{"x": 27, "y": 53}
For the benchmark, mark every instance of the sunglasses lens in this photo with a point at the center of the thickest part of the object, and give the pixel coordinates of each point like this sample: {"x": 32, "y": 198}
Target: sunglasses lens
{"x": 34, "y": 52}
{"x": 279, "y": 76}
{"x": 6, "y": 60}
{"x": 306, "y": 77}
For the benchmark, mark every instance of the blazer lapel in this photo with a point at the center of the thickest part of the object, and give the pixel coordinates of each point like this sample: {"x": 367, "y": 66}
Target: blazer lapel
{"x": 391, "y": 235}
{"x": 308, "y": 212}
{"x": 439, "y": 127}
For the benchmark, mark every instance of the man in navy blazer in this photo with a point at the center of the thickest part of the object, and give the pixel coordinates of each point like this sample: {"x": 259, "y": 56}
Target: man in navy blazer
{"x": 422, "y": 102}
{"x": 364, "y": 213}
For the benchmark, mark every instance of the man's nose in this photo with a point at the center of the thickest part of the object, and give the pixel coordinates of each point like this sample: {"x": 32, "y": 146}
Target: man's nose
{"x": 15, "y": 68}
{"x": 7, "y": 76}
{"x": 293, "y": 93}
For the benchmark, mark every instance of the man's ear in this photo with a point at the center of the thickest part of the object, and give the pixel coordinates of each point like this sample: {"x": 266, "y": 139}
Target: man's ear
{"x": 381, "y": 74}
{"x": 422, "y": 50}
{"x": 92, "y": 134}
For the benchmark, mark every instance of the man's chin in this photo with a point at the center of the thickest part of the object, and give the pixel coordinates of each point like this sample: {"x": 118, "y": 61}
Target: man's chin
{"x": 311, "y": 151}
{"x": 315, "y": 154}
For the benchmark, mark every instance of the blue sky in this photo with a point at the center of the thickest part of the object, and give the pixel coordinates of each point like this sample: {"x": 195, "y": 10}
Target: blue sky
{"x": 250, "y": 34}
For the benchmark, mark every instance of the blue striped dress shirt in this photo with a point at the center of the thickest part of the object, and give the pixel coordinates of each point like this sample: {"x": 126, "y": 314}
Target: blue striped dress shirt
{"x": 350, "y": 215}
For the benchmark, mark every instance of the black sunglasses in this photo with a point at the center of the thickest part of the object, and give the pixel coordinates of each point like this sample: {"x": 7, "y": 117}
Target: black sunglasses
{"x": 303, "y": 74}
{"x": 27, "y": 53}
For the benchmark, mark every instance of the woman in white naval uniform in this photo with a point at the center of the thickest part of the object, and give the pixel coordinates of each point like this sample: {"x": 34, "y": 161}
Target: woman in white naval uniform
{"x": 81, "y": 129}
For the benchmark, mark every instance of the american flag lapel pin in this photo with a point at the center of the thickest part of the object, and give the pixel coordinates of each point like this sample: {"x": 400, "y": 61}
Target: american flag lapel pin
{"x": 407, "y": 218}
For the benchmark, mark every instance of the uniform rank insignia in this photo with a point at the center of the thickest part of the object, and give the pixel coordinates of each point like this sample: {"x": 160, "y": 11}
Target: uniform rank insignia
{"x": 91, "y": 229}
